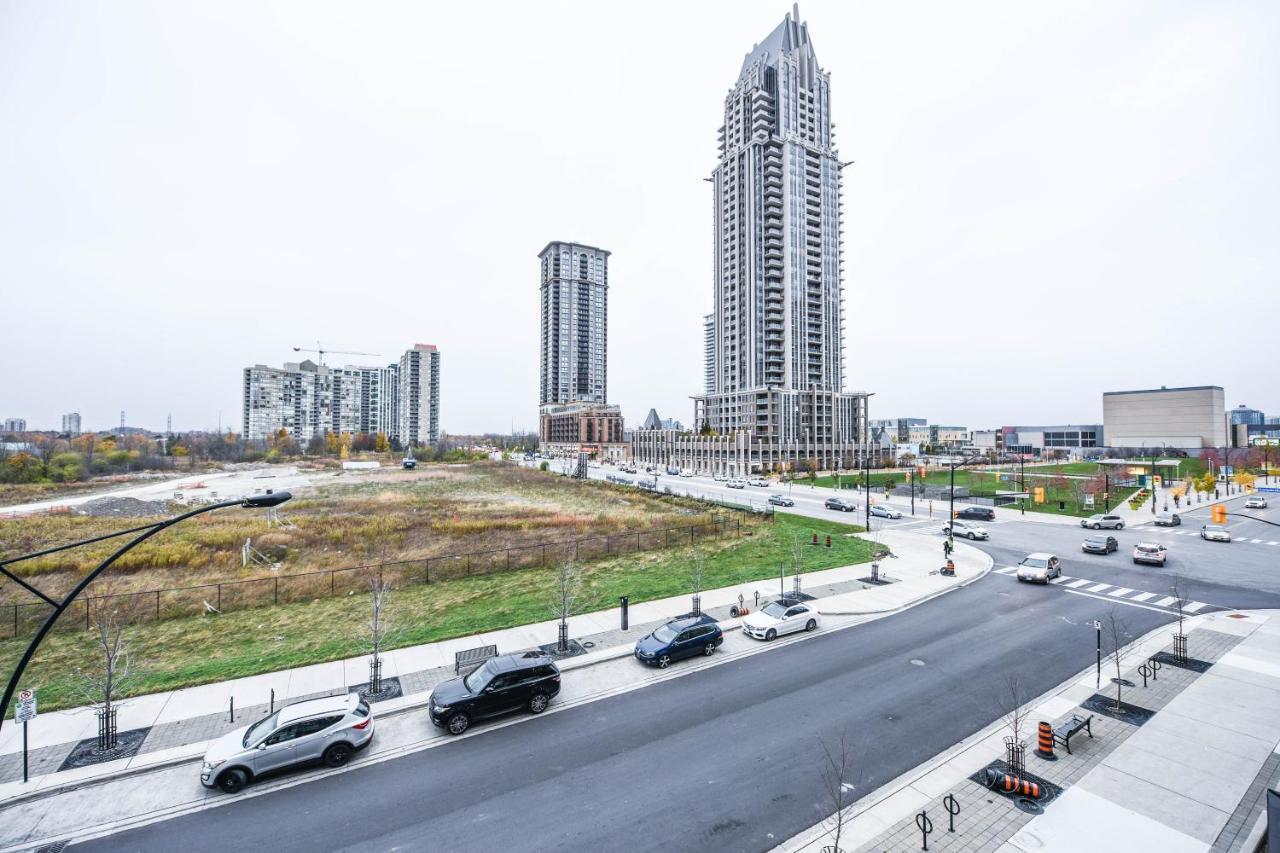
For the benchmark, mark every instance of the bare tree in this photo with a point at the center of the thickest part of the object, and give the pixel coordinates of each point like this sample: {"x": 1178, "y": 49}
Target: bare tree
{"x": 1177, "y": 590}
{"x": 110, "y": 617}
{"x": 1012, "y": 701}
{"x": 378, "y": 628}
{"x": 568, "y": 586}
{"x": 835, "y": 774}
{"x": 695, "y": 578}
{"x": 1118, "y": 635}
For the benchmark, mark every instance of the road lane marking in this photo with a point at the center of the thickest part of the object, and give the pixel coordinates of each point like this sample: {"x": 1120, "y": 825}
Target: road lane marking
{"x": 1125, "y": 602}
{"x": 1273, "y": 543}
{"x": 1007, "y": 570}
{"x": 1166, "y": 601}
{"x": 1193, "y": 606}
{"x": 1255, "y": 541}
{"x": 1120, "y": 592}
{"x": 1099, "y": 587}
{"x": 1061, "y": 579}
{"x": 1078, "y": 584}
{"x": 1143, "y": 596}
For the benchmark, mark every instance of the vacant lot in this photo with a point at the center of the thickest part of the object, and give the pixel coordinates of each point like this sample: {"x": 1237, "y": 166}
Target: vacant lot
{"x": 352, "y": 520}
{"x": 196, "y": 650}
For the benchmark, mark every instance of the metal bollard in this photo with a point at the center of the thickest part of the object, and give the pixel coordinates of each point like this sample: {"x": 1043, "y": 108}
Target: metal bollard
{"x": 953, "y": 808}
{"x": 273, "y": 702}
{"x": 231, "y": 713}
{"x": 624, "y": 612}
{"x": 925, "y": 826}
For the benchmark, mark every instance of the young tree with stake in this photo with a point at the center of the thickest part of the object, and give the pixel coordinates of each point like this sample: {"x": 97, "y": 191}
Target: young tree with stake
{"x": 109, "y": 617}
{"x": 568, "y": 584}
{"x": 836, "y": 775}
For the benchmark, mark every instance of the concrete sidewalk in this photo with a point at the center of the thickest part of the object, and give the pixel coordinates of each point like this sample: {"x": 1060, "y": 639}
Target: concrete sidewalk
{"x": 1143, "y": 514}
{"x": 1187, "y": 772}
{"x": 178, "y": 725}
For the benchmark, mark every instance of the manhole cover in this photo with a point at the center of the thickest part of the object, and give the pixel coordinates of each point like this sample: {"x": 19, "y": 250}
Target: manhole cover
{"x": 1236, "y": 616}
{"x": 917, "y": 662}
{"x": 588, "y": 644}
{"x": 1028, "y": 805}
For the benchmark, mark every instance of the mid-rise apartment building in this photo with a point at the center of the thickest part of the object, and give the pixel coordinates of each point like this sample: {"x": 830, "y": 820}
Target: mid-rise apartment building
{"x": 419, "y": 396}
{"x": 71, "y": 424}
{"x": 307, "y": 399}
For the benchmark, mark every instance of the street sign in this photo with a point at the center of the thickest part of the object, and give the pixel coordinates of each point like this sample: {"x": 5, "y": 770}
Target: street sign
{"x": 26, "y": 706}
{"x": 1268, "y": 489}
{"x": 1228, "y": 469}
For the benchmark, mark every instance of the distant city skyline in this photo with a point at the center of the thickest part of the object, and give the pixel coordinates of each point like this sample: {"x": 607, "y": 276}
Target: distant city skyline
{"x": 1046, "y": 202}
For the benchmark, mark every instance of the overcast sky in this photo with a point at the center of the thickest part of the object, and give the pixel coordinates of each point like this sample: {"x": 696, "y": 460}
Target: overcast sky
{"x": 1049, "y": 200}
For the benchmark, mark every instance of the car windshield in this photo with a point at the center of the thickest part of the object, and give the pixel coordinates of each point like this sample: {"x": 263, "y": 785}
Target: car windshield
{"x": 1148, "y": 549}
{"x": 774, "y": 609}
{"x": 1214, "y": 528}
{"x": 260, "y": 728}
{"x": 1035, "y": 562}
{"x": 1096, "y": 540}
{"x": 477, "y": 678}
{"x": 665, "y": 634}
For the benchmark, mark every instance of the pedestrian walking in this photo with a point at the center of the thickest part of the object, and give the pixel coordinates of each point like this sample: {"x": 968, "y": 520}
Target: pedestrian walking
{"x": 947, "y": 548}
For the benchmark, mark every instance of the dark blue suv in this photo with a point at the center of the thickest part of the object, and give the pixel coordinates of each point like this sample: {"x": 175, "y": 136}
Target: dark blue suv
{"x": 680, "y": 638}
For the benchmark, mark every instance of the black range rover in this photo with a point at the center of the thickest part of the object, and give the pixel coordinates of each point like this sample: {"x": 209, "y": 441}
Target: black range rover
{"x": 498, "y": 686}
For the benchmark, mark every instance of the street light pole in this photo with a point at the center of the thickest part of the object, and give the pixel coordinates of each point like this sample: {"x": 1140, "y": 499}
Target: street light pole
{"x": 866, "y": 484}
{"x": 1097, "y": 626}
{"x": 1022, "y": 486}
{"x": 267, "y": 500}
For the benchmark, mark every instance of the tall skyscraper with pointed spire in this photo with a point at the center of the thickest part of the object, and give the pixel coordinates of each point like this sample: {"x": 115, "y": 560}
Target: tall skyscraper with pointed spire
{"x": 777, "y": 335}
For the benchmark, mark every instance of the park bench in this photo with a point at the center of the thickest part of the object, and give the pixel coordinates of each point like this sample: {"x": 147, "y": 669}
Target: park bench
{"x": 1063, "y": 731}
{"x": 472, "y": 658}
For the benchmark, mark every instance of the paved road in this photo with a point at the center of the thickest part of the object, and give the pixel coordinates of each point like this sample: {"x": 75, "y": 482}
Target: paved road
{"x": 726, "y": 759}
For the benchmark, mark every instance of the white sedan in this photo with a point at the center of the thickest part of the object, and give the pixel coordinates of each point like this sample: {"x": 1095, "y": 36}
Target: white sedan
{"x": 776, "y": 618}
{"x": 882, "y": 511}
{"x": 758, "y": 481}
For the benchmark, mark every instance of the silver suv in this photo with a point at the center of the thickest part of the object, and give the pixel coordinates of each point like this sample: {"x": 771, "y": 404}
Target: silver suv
{"x": 329, "y": 730}
{"x": 1099, "y": 521}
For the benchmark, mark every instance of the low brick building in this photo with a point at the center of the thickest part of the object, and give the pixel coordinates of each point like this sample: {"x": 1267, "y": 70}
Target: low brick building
{"x": 583, "y": 427}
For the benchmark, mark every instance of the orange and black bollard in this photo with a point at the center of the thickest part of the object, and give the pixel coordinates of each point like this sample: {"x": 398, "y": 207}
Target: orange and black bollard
{"x": 1044, "y": 742}
{"x": 815, "y": 539}
{"x": 828, "y": 540}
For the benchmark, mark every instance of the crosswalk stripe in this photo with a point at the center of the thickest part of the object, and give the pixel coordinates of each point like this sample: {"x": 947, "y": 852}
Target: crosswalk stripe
{"x": 1273, "y": 543}
{"x": 1078, "y": 584}
{"x": 1099, "y": 587}
{"x": 1007, "y": 570}
{"x": 1193, "y": 606}
{"x": 1061, "y": 579}
{"x": 1120, "y": 591}
{"x": 1143, "y": 596}
{"x": 1166, "y": 601}
{"x": 1255, "y": 541}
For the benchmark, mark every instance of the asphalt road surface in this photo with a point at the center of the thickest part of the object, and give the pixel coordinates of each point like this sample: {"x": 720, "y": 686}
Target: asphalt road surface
{"x": 725, "y": 759}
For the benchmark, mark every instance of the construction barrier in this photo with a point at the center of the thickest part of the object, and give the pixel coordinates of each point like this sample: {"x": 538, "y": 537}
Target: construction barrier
{"x": 1011, "y": 784}
{"x": 1044, "y": 740}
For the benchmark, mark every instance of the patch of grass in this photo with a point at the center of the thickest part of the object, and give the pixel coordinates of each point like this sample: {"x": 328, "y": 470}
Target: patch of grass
{"x": 185, "y": 652}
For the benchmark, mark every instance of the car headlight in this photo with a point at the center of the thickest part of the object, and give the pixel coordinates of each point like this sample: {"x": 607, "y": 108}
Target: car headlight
{"x": 443, "y": 709}
{"x": 212, "y": 765}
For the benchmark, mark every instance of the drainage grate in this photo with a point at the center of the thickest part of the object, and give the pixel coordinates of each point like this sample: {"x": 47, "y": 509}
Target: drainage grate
{"x": 1134, "y": 715}
{"x": 1193, "y": 664}
{"x": 53, "y": 847}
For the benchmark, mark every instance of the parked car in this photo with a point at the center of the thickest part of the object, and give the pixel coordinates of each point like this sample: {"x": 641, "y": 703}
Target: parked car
{"x": 781, "y": 500}
{"x": 1168, "y": 519}
{"x": 840, "y": 504}
{"x": 720, "y": 478}
{"x": 328, "y": 730}
{"x": 1099, "y": 521}
{"x": 882, "y": 511}
{"x": 1039, "y": 567}
{"x": 978, "y": 513}
{"x": 736, "y": 484}
{"x": 759, "y": 482}
{"x": 674, "y": 472}
{"x": 1149, "y": 552}
{"x": 685, "y": 472}
{"x": 1215, "y": 533}
{"x": 679, "y": 638}
{"x": 1100, "y": 545}
{"x": 780, "y": 617}
{"x": 1255, "y": 502}
{"x": 966, "y": 529}
{"x": 500, "y": 685}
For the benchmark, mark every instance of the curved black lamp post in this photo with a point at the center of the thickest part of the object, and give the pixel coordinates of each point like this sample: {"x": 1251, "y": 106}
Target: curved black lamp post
{"x": 145, "y": 532}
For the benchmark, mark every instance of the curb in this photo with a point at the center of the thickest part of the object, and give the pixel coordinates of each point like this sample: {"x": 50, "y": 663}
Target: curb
{"x": 805, "y": 839}
{"x": 927, "y": 597}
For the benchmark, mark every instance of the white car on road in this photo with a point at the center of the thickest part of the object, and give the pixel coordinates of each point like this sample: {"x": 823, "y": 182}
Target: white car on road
{"x": 1215, "y": 533}
{"x": 965, "y": 529}
{"x": 759, "y": 481}
{"x": 777, "y": 618}
{"x": 882, "y": 511}
{"x": 685, "y": 472}
{"x": 1039, "y": 568}
{"x": 1256, "y": 503}
{"x": 736, "y": 484}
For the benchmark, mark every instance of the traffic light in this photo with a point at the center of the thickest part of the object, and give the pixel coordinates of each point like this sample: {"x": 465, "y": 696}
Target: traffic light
{"x": 1219, "y": 514}
{"x": 1039, "y": 494}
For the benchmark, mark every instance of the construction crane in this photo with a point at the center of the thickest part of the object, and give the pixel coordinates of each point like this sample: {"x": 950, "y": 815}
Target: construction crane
{"x": 320, "y": 350}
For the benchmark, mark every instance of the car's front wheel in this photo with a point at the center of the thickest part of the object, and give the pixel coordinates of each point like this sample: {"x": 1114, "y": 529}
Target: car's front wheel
{"x": 538, "y": 703}
{"x": 457, "y": 723}
{"x": 709, "y": 649}
{"x": 771, "y": 634}
{"x": 1120, "y": 526}
{"x": 1097, "y": 526}
{"x": 664, "y": 661}
{"x": 337, "y": 755}
{"x": 972, "y": 535}
{"x": 811, "y": 625}
{"x": 232, "y": 781}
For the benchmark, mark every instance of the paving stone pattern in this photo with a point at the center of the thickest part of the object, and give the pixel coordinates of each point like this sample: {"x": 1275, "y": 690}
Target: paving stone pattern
{"x": 1235, "y": 833}
{"x": 988, "y": 819}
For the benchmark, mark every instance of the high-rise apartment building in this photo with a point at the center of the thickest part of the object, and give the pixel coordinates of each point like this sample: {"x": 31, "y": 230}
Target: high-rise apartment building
{"x": 779, "y": 312}
{"x": 419, "y": 396}
{"x": 71, "y": 424}
{"x": 709, "y": 354}
{"x": 308, "y": 399}
{"x": 15, "y": 425}
{"x": 575, "y": 333}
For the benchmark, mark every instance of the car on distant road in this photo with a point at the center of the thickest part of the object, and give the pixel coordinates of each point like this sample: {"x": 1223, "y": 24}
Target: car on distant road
{"x": 1099, "y": 521}
{"x": 966, "y": 529}
{"x": 759, "y": 482}
{"x": 1168, "y": 519}
{"x": 1149, "y": 552}
{"x": 498, "y": 686}
{"x": 777, "y": 618}
{"x": 882, "y": 511}
{"x": 978, "y": 513}
{"x": 720, "y": 478}
{"x": 1215, "y": 533}
{"x": 781, "y": 500}
{"x": 1256, "y": 503}
{"x": 1039, "y": 567}
{"x": 685, "y": 472}
{"x": 1100, "y": 545}
{"x": 679, "y": 638}
{"x": 328, "y": 730}
{"x": 735, "y": 483}
{"x": 840, "y": 504}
